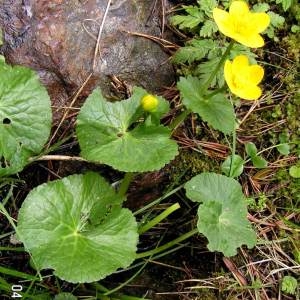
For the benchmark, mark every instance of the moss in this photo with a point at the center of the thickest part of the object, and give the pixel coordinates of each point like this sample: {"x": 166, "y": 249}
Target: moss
{"x": 190, "y": 163}
{"x": 289, "y": 188}
{"x": 205, "y": 294}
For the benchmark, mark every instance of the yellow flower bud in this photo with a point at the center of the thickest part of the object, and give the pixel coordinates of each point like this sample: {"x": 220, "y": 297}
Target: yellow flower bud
{"x": 149, "y": 103}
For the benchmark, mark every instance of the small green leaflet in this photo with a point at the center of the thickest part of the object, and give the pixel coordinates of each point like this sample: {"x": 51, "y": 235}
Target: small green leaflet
{"x": 208, "y": 29}
{"x": 204, "y": 70}
{"x": 261, "y": 7}
{"x": 108, "y": 133}
{"x": 222, "y": 214}
{"x": 233, "y": 166}
{"x": 77, "y": 227}
{"x": 286, "y": 4}
{"x": 25, "y": 117}
{"x": 207, "y": 6}
{"x": 294, "y": 171}
{"x": 188, "y": 54}
{"x": 258, "y": 161}
{"x": 251, "y": 149}
{"x": 193, "y": 18}
{"x": 194, "y": 50}
{"x": 216, "y": 111}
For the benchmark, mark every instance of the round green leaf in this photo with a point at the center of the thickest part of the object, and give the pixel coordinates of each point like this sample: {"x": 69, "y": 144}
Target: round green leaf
{"x": 259, "y": 162}
{"x": 251, "y": 149}
{"x": 77, "y": 227}
{"x": 105, "y": 135}
{"x": 222, "y": 216}
{"x": 233, "y": 164}
{"x": 25, "y": 117}
{"x": 283, "y": 149}
{"x": 294, "y": 171}
{"x": 217, "y": 111}
{"x": 65, "y": 296}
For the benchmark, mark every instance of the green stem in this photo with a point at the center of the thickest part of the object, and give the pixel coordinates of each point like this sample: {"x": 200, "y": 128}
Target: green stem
{"x": 179, "y": 119}
{"x": 215, "y": 71}
{"x": 157, "y": 201}
{"x": 17, "y": 249}
{"x": 167, "y": 245}
{"x": 218, "y": 91}
{"x": 127, "y": 281}
{"x": 232, "y": 152}
{"x": 159, "y": 218}
{"x": 125, "y": 183}
{"x": 12, "y": 223}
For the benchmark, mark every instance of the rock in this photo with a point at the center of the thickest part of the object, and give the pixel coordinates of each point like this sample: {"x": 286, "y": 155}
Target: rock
{"x": 58, "y": 39}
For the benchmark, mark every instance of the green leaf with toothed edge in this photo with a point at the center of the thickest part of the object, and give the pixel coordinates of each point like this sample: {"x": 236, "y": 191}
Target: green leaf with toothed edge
{"x": 222, "y": 214}
{"x": 217, "y": 111}
{"x": 108, "y": 133}
{"x": 77, "y": 227}
{"x": 25, "y": 117}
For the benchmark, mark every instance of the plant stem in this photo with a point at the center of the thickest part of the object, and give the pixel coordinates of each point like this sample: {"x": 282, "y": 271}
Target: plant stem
{"x": 159, "y": 218}
{"x": 232, "y": 152}
{"x": 12, "y": 223}
{"x": 157, "y": 201}
{"x": 127, "y": 281}
{"x": 215, "y": 71}
{"x": 125, "y": 183}
{"x": 220, "y": 90}
{"x": 269, "y": 148}
{"x": 179, "y": 119}
{"x": 17, "y": 249}
{"x": 167, "y": 245}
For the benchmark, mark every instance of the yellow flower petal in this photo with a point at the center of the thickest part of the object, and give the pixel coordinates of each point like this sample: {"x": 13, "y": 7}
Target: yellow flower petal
{"x": 223, "y": 22}
{"x": 259, "y": 22}
{"x": 242, "y": 78}
{"x": 256, "y": 74}
{"x": 251, "y": 41}
{"x": 238, "y": 9}
{"x": 249, "y": 93}
{"x": 239, "y": 62}
{"x": 228, "y": 73}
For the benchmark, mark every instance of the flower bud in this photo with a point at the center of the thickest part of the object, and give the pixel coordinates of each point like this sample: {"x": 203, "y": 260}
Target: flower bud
{"x": 149, "y": 103}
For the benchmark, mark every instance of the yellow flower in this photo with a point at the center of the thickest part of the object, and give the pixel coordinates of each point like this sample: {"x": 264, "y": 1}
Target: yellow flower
{"x": 243, "y": 78}
{"x": 149, "y": 103}
{"x": 242, "y": 25}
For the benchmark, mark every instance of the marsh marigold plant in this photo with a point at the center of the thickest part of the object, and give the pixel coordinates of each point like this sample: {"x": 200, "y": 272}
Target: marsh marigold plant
{"x": 242, "y": 78}
{"x": 242, "y": 25}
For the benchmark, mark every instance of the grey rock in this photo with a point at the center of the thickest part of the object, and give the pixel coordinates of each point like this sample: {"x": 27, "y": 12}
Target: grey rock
{"x": 58, "y": 38}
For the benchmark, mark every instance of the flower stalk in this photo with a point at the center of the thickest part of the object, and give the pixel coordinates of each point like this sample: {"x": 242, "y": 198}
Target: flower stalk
{"x": 159, "y": 218}
{"x": 168, "y": 245}
{"x": 220, "y": 64}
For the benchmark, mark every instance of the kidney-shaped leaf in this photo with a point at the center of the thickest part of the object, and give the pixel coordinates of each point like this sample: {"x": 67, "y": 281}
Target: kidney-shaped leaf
{"x": 65, "y": 296}
{"x": 222, "y": 216}
{"x": 105, "y": 135}
{"x": 25, "y": 117}
{"x": 77, "y": 227}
